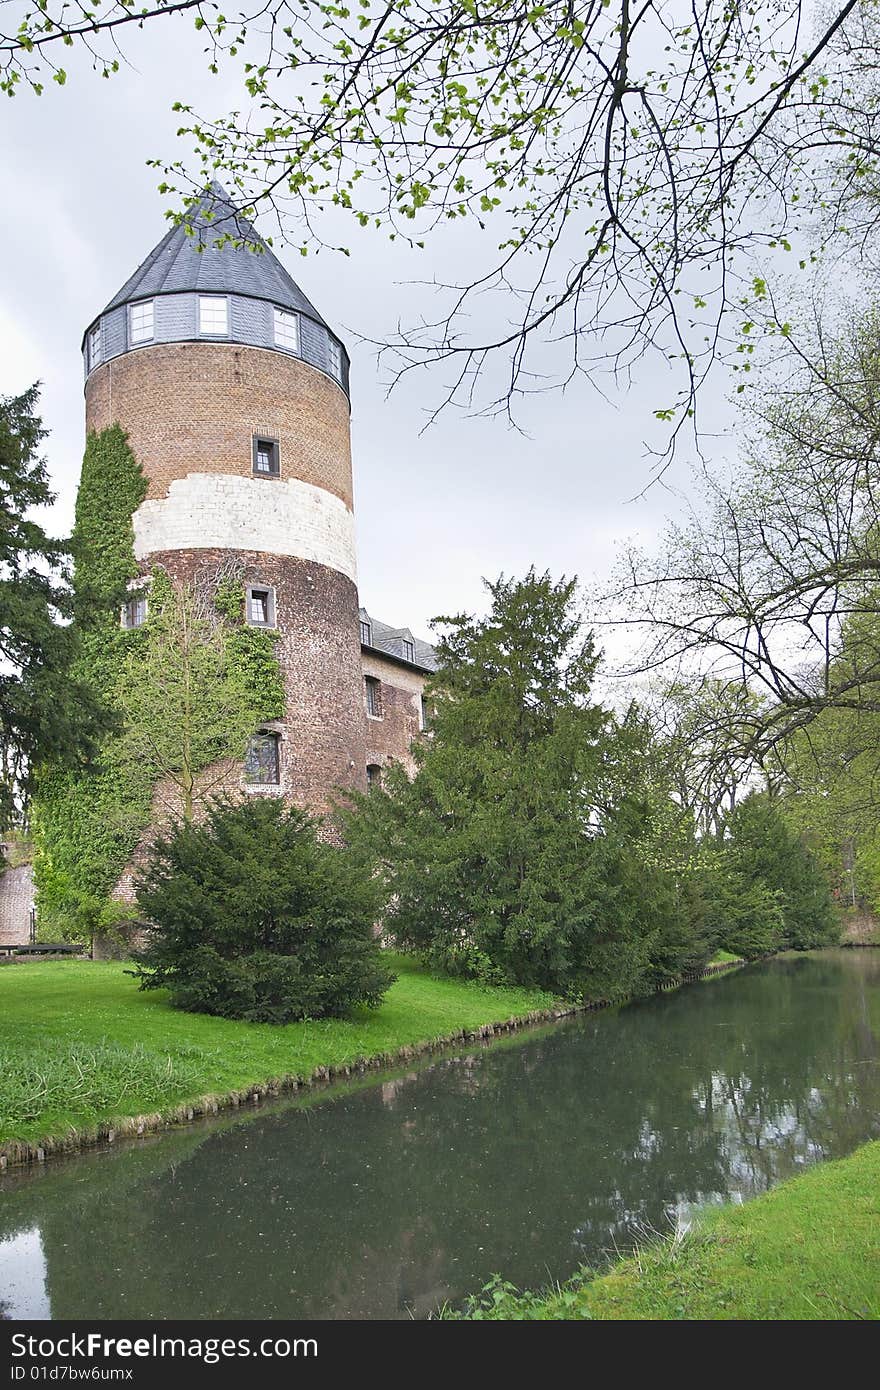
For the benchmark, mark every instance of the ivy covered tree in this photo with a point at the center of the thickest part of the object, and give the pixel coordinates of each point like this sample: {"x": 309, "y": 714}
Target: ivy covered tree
{"x": 45, "y": 713}
{"x": 183, "y": 689}
{"x": 193, "y": 690}
{"x": 519, "y": 851}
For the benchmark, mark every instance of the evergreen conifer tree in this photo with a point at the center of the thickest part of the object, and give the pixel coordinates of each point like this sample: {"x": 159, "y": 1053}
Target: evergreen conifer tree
{"x": 517, "y": 852}
{"x": 44, "y": 712}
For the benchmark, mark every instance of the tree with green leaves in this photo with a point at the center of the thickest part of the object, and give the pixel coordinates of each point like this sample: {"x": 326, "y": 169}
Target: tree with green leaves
{"x": 44, "y": 712}
{"x": 183, "y": 690}
{"x": 186, "y": 699}
{"x": 769, "y": 588}
{"x": 701, "y": 728}
{"x": 764, "y": 849}
{"x": 252, "y": 916}
{"x": 625, "y": 162}
{"x": 827, "y": 774}
{"x": 520, "y": 849}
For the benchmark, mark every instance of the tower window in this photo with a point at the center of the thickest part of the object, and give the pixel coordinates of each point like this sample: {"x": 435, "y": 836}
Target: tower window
{"x": 214, "y": 316}
{"x": 373, "y": 691}
{"x": 134, "y": 612}
{"x": 424, "y": 715}
{"x": 366, "y": 633}
{"x": 409, "y": 651}
{"x": 95, "y": 346}
{"x": 267, "y": 460}
{"x": 140, "y": 319}
{"x": 286, "y": 330}
{"x": 262, "y": 764}
{"x": 334, "y": 358}
{"x": 374, "y": 776}
{"x": 261, "y": 607}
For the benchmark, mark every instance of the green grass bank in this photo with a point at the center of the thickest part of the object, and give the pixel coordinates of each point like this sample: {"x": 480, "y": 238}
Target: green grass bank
{"x": 808, "y": 1250}
{"x": 85, "y": 1055}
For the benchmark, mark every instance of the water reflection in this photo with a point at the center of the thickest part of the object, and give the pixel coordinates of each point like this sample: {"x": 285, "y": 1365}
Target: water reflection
{"x": 529, "y": 1157}
{"x": 24, "y": 1277}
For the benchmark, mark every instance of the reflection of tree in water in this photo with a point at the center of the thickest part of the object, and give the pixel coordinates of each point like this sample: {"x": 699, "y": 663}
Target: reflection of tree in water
{"x": 806, "y": 1085}
{"x": 528, "y": 1159}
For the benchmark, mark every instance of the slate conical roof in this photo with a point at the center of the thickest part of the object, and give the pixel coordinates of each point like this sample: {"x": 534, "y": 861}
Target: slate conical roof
{"x": 183, "y": 263}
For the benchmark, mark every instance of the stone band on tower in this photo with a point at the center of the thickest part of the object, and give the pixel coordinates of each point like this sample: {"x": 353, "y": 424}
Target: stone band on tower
{"x": 233, "y": 392}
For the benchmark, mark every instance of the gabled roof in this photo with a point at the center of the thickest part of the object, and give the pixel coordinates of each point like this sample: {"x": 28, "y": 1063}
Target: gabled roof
{"x": 187, "y": 260}
{"x": 388, "y": 641}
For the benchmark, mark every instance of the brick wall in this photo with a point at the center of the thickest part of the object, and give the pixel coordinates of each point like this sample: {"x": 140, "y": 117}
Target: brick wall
{"x": 16, "y": 900}
{"x": 389, "y": 738}
{"x": 319, "y": 652}
{"x": 195, "y": 407}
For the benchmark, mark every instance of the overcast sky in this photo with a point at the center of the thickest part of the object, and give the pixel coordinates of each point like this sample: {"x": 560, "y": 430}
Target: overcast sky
{"x": 436, "y": 511}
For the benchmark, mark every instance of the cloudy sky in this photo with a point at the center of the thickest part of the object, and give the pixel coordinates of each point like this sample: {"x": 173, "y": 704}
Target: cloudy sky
{"x": 435, "y": 511}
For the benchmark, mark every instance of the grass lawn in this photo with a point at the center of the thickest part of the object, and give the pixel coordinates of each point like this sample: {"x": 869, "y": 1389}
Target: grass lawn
{"x": 80, "y": 1045}
{"x": 810, "y": 1249}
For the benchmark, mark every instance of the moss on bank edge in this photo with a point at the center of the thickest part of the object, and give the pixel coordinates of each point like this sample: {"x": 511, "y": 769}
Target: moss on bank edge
{"x": 808, "y": 1250}
{"x": 86, "y": 1057}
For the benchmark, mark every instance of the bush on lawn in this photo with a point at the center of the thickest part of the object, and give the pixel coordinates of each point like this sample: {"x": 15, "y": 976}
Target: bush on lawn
{"x": 251, "y": 916}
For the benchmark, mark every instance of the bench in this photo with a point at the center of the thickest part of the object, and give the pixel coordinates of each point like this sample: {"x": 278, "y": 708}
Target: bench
{"x": 42, "y": 948}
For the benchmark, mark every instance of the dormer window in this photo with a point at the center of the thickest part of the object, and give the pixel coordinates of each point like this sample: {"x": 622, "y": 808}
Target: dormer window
{"x": 266, "y": 460}
{"x": 409, "y": 651}
{"x": 213, "y": 316}
{"x": 134, "y": 612}
{"x": 140, "y": 321}
{"x": 286, "y": 330}
{"x": 94, "y": 348}
{"x": 334, "y": 357}
{"x": 366, "y": 633}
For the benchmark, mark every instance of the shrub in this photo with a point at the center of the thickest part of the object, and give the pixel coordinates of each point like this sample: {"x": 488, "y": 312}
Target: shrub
{"x": 251, "y": 916}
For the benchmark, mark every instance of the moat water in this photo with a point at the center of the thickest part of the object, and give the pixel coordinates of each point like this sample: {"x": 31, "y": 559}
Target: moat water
{"x": 529, "y": 1156}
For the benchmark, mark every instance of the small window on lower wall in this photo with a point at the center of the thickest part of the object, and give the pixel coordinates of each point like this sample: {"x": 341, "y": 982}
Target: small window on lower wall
{"x": 374, "y": 776}
{"x": 134, "y": 612}
{"x": 260, "y": 606}
{"x": 262, "y": 764}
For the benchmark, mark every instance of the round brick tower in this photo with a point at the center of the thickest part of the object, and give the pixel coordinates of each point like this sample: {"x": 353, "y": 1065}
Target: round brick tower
{"x": 234, "y": 394}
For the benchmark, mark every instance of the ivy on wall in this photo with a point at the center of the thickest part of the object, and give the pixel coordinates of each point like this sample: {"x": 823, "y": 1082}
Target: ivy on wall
{"x": 252, "y": 654}
{"x": 88, "y": 822}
